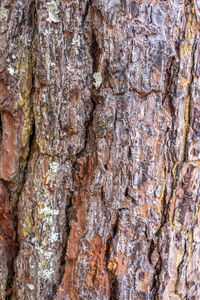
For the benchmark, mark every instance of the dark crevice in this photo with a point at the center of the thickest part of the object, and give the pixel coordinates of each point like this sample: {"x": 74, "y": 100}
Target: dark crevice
{"x": 94, "y": 52}
{"x": 89, "y": 3}
{"x": 168, "y": 102}
{"x": 128, "y": 195}
{"x": 88, "y": 125}
{"x": 156, "y": 278}
{"x": 165, "y": 207}
{"x": 114, "y": 289}
{"x": 129, "y": 153}
{"x": 16, "y": 220}
{"x": 65, "y": 242}
{"x": 126, "y": 192}
{"x": 115, "y": 227}
{"x": 170, "y": 76}
{"x": 103, "y": 196}
{"x": 141, "y": 94}
{"x": 151, "y": 250}
{"x": 31, "y": 14}
{"x": 179, "y": 271}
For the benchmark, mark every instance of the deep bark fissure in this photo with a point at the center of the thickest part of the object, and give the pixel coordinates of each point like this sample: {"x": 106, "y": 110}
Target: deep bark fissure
{"x": 65, "y": 243}
{"x": 88, "y": 126}
{"x": 94, "y": 51}
{"x": 17, "y": 239}
{"x": 151, "y": 250}
{"x": 156, "y": 279}
{"x": 114, "y": 292}
{"x": 179, "y": 271}
{"x": 89, "y": 3}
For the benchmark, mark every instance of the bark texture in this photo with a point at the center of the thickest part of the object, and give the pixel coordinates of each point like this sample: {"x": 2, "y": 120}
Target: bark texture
{"x": 99, "y": 149}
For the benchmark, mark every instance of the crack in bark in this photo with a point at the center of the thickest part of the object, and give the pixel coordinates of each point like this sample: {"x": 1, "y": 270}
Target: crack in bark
{"x": 31, "y": 147}
{"x": 89, "y": 3}
{"x": 179, "y": 271}
{"x": 156, "y": 279}
{"x": 64, "y": 251}
{"x": 88, "y": 125}
{"x": 140, "y": 93}
{"x": 94, "y": 51}
{"x": 114, "y": 290}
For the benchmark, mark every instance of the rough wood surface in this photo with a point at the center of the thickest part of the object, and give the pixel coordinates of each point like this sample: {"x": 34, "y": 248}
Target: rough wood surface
{"x": 99, "y": 149}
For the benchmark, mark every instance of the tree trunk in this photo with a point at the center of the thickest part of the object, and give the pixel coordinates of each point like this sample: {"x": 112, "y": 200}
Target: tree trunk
{"x": 99, "y": 149}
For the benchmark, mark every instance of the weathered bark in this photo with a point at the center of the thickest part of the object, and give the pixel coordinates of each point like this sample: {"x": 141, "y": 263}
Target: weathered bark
{"x": 99, "y": 149}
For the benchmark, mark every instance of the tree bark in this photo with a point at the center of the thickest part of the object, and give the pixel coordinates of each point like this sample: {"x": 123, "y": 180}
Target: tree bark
{"x": 99, "y": 149}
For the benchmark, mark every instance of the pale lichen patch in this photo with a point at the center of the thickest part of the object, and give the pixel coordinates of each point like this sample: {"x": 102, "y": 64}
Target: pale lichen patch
{"x": 48, "y": 211}
{"x": 53, "y": 12}
{"x": 11, "y": 70}
{"x": 76, "y": 43}
{"x": 98, "y": 79}
{"x": 30, "y": 286}
{"x": 54, "y": 166}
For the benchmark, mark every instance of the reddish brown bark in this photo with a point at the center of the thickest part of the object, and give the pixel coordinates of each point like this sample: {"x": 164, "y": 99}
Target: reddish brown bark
{"x": 99, "y": 149}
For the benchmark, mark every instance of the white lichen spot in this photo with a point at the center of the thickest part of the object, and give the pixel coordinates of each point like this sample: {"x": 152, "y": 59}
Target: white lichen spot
{"x": 48, "y": 254}
{"x": 53, "y": 12}
{"x": 11, "y": 70}
{"x": 45, "y": 32}
{"x": 47, "y": 274}
{"x": 47, "y": 227}
{"x": 98, "y": 79}
{"x": 48, "y": 216}
{"x": 54, "y": 237}
{"x": 54, "y": 166}
{"x": 48, "y": 211}
{"x": 46, "y": 265}
{"x": 53, "y": 170}
{"x": 30, "y": 286}
{"x": 76, "y": 42}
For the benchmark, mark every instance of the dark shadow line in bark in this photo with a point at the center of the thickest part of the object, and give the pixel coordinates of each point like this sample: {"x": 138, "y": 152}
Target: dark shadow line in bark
{"x": 114, "y": 289}
{"x": 179, "y": 271}
{"x": 88, "y": 126}
{"x": 16, "y": 219}
{"x": 89, "y": 3}
{"x": 94, "y": 52}
{"x": 65, "y": 243}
